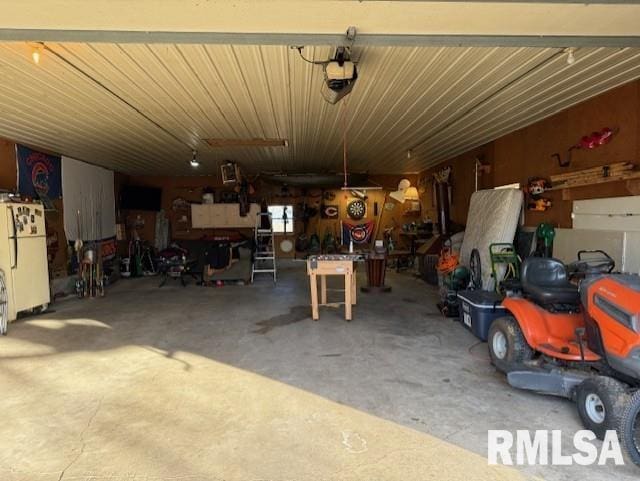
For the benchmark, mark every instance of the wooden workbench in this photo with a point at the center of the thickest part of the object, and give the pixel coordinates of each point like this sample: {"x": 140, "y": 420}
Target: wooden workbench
{"x": 332, "y": 265}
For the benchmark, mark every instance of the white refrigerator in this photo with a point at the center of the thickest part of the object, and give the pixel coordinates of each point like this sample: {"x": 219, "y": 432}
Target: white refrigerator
{"x": 23, "y": 259}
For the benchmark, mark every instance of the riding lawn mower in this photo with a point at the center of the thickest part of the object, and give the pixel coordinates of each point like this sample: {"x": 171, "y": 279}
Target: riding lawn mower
{"x": 579, "y": 340}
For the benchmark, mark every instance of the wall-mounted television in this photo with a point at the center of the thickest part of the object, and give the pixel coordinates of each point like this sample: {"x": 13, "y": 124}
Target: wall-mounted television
{"x": 135, "y": 197}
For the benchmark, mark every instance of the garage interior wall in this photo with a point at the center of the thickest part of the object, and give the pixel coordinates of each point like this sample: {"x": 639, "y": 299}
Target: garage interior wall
{"x": 8, "y": 168}
{"x": 527, "y": 152}
{"x": 190, "y": 189}
{"x": 56, "y": 239}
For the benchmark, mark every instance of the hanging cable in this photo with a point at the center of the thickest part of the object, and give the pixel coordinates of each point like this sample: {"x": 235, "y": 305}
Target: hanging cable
{"x": 299, "y": 48}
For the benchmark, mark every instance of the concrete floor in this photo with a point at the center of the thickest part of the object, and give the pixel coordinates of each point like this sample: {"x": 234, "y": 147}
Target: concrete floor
{"x": 237, "y": 383}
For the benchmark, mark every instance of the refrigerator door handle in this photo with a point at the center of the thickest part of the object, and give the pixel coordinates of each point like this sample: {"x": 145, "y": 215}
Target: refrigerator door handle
{"x": 15, "y": 250}
{"x": 14, "y": 264}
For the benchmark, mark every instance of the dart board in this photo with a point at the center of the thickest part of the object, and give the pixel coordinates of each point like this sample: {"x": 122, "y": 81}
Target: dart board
{"x": 356, "y": 209}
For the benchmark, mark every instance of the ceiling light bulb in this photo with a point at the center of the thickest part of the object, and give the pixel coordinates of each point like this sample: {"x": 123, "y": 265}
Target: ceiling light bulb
{"x": 409, "y": 152}
{"x": 35, "y": 55}
{"x": 571, "y": 58}
{"x": 194, "y": 160}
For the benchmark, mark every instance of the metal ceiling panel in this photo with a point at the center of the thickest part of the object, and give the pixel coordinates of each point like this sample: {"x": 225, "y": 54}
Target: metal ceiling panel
{"x": 53, "y": 107}
{"x": 140, "y": 108}
{"x": 552, "y": 88}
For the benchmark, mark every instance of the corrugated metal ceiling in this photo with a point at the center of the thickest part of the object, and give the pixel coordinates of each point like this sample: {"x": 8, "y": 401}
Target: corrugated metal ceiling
{"x": 149, "y": 105}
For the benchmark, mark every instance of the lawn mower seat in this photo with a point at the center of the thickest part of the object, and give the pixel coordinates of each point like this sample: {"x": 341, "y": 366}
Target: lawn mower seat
{"x": 544, "y": 281}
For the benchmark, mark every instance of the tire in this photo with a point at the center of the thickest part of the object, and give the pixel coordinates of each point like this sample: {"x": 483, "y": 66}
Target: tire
{"x": 629, "y": 429}
{"x": 601, "y": 404}
{"x": 475, "y": 266}
{"x": 507, "y": 346}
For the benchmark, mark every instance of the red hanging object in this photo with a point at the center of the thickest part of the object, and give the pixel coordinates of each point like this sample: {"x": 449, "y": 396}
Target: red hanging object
{"x": 589, "y": 142}
{"x": 596, "y": 139}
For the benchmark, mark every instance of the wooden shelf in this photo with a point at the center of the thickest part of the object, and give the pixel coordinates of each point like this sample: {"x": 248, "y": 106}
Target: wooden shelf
{"x": 611, "y": 189}
{"x": 602, "y": 180}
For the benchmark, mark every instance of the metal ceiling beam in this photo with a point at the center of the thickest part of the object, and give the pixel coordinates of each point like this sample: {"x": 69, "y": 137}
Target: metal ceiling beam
{"x": 99, "y": 36}
{"x": 560, "y": 2}
{"x": 539, "y": 23}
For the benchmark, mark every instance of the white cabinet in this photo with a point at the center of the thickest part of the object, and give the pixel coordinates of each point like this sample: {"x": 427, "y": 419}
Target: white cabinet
{"x": 222, "y": 216}
{"x": 613, "y": 213}
{"x": 200, "y": 217}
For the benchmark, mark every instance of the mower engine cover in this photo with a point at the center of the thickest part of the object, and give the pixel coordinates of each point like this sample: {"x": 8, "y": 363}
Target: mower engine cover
{"x": 612, "y": 304}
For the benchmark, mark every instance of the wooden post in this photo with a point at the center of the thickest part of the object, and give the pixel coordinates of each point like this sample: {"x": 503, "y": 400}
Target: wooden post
{"x": 314, "y": 295}
{"x": 323, "y": 289}
{"x": 354, "y": 289}
{"x": 348, "y": 280}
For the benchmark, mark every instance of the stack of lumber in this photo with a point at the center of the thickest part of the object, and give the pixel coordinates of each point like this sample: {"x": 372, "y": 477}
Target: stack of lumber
{"x": 596, "y": 175}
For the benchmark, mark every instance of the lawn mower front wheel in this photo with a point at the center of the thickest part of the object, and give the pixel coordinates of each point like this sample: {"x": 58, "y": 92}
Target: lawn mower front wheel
{"x": 601, "y": 403}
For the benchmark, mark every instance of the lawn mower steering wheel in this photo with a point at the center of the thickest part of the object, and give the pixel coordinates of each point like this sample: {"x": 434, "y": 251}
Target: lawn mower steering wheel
{"x": 602, "y": 264}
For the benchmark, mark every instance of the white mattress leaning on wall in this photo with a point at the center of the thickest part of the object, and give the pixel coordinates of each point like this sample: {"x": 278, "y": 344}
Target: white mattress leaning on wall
{"x": 493, "y": 218}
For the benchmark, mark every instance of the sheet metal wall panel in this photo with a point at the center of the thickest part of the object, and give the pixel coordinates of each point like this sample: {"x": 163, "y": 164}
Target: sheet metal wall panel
{"x": 568, "y": 242}
{"x": 622, "y": 246}
{"x": 613, "y": 213}
{"x": 629, "y": 205}
{"x": 632, "y": 252}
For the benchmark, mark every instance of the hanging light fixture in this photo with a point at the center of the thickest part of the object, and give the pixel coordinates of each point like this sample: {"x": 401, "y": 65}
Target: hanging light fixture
{"x": 194, "y": 159}
{"x": 411, "y": 194}
{"x": 400, "y": 194}
{"x": 571, "y": 58}
{"x": 36, "y": 52}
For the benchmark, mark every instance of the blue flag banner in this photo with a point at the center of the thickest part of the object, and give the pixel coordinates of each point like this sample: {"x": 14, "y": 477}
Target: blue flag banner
{"x": 38, "y": 174}
{"x": 358, "y": 233}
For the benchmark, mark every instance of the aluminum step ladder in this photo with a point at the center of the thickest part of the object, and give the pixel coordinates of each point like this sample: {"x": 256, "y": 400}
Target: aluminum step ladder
{"x": 264, "y": 258}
